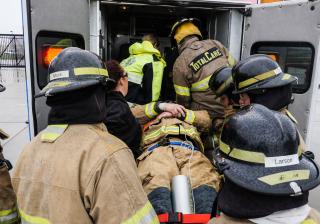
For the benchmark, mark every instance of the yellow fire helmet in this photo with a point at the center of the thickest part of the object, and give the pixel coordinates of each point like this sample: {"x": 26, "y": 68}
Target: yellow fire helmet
{"x": 183, "y": 28}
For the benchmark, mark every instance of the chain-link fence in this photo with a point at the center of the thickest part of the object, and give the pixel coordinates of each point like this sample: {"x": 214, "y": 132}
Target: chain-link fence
{"x": 11, "y": 50}
{"x": 12, "y": 63}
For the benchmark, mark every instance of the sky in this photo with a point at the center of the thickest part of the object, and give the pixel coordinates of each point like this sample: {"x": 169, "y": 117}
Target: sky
{"x": 10, "y": 17}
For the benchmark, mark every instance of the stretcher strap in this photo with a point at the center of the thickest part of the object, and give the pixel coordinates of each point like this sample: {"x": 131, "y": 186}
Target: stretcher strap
{"x": 173, "y": 143}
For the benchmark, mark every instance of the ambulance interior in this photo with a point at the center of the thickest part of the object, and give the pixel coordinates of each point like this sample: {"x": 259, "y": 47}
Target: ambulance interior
{"x": 125, "y": 24}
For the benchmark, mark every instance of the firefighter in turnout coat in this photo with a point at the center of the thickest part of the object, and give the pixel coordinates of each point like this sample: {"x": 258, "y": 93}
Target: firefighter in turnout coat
{"x": 171, "y": 147}
{"x": 259, "y": 79}
{"x": 197, "y": 61}
{"x": 74, "y": 171}
{"x": 8, "y": 208}
{"x": 267, "y": 178}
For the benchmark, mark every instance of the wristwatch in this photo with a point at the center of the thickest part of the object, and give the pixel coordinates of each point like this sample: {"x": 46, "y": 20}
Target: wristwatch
{"x": 156, "y": 107}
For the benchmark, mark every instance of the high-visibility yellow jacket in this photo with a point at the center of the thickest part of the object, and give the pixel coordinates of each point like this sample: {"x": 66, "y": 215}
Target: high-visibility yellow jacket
{"x": 79, "y": 174}
{"x": 145, "y": 72}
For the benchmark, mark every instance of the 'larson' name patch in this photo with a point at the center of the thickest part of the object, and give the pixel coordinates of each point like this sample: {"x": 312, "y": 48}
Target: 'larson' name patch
{"x": 198, "y": 62}
{"x": 281, "y": 161}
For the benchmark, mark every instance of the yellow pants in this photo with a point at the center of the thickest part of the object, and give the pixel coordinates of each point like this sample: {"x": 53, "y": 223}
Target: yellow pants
{"x": 157, "y": 168}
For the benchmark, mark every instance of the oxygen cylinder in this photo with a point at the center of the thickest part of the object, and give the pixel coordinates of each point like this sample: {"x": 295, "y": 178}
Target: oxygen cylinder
{"x": 182, "y": 195}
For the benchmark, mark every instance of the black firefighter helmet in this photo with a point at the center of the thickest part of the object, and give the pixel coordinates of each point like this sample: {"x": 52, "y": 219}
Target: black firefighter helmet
{"x": 221, "y": 83}
{"x": 262, "y": 153}
{"x": 259, "y": 72}
{"x": 74, "y": 69}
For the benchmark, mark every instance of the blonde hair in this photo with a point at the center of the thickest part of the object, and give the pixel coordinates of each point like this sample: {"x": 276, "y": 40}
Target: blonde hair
{"x": 151, "y": 37}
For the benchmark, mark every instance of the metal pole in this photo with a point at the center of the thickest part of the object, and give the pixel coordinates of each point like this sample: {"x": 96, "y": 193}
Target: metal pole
{"x": 15, "y": 50}
{"x": 182, "y": 195}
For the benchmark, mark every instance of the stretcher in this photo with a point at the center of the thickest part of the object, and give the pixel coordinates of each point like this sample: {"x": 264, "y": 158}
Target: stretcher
{"x": 184, "y": 218}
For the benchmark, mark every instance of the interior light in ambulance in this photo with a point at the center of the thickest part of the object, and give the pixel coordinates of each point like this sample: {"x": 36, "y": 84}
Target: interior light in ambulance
{"x": 274, "y": 56}
{"x": 49, "y": 52}
{"x": 48, "y": 45}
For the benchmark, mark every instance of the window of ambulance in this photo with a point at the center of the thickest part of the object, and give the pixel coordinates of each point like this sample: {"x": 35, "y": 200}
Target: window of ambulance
{"x": 48, "y": 45}
{"x": 295, "y": 58}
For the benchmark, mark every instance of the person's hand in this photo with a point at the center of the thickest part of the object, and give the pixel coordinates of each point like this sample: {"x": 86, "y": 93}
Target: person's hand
{"x": 164, "y": 115}
{"x": 175, "y": 109}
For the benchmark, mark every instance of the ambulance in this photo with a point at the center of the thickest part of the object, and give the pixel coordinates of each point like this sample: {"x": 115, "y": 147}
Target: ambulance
{"x": 288, "y": 31}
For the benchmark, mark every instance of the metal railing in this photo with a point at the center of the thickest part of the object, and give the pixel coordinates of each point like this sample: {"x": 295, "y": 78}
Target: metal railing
{"x": 11, "y": 50}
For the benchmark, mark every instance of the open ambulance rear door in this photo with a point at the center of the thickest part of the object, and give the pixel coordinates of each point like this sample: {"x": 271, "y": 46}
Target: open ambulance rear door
{"x": 289, "y": 32}
{"x": 49, "y": 26}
